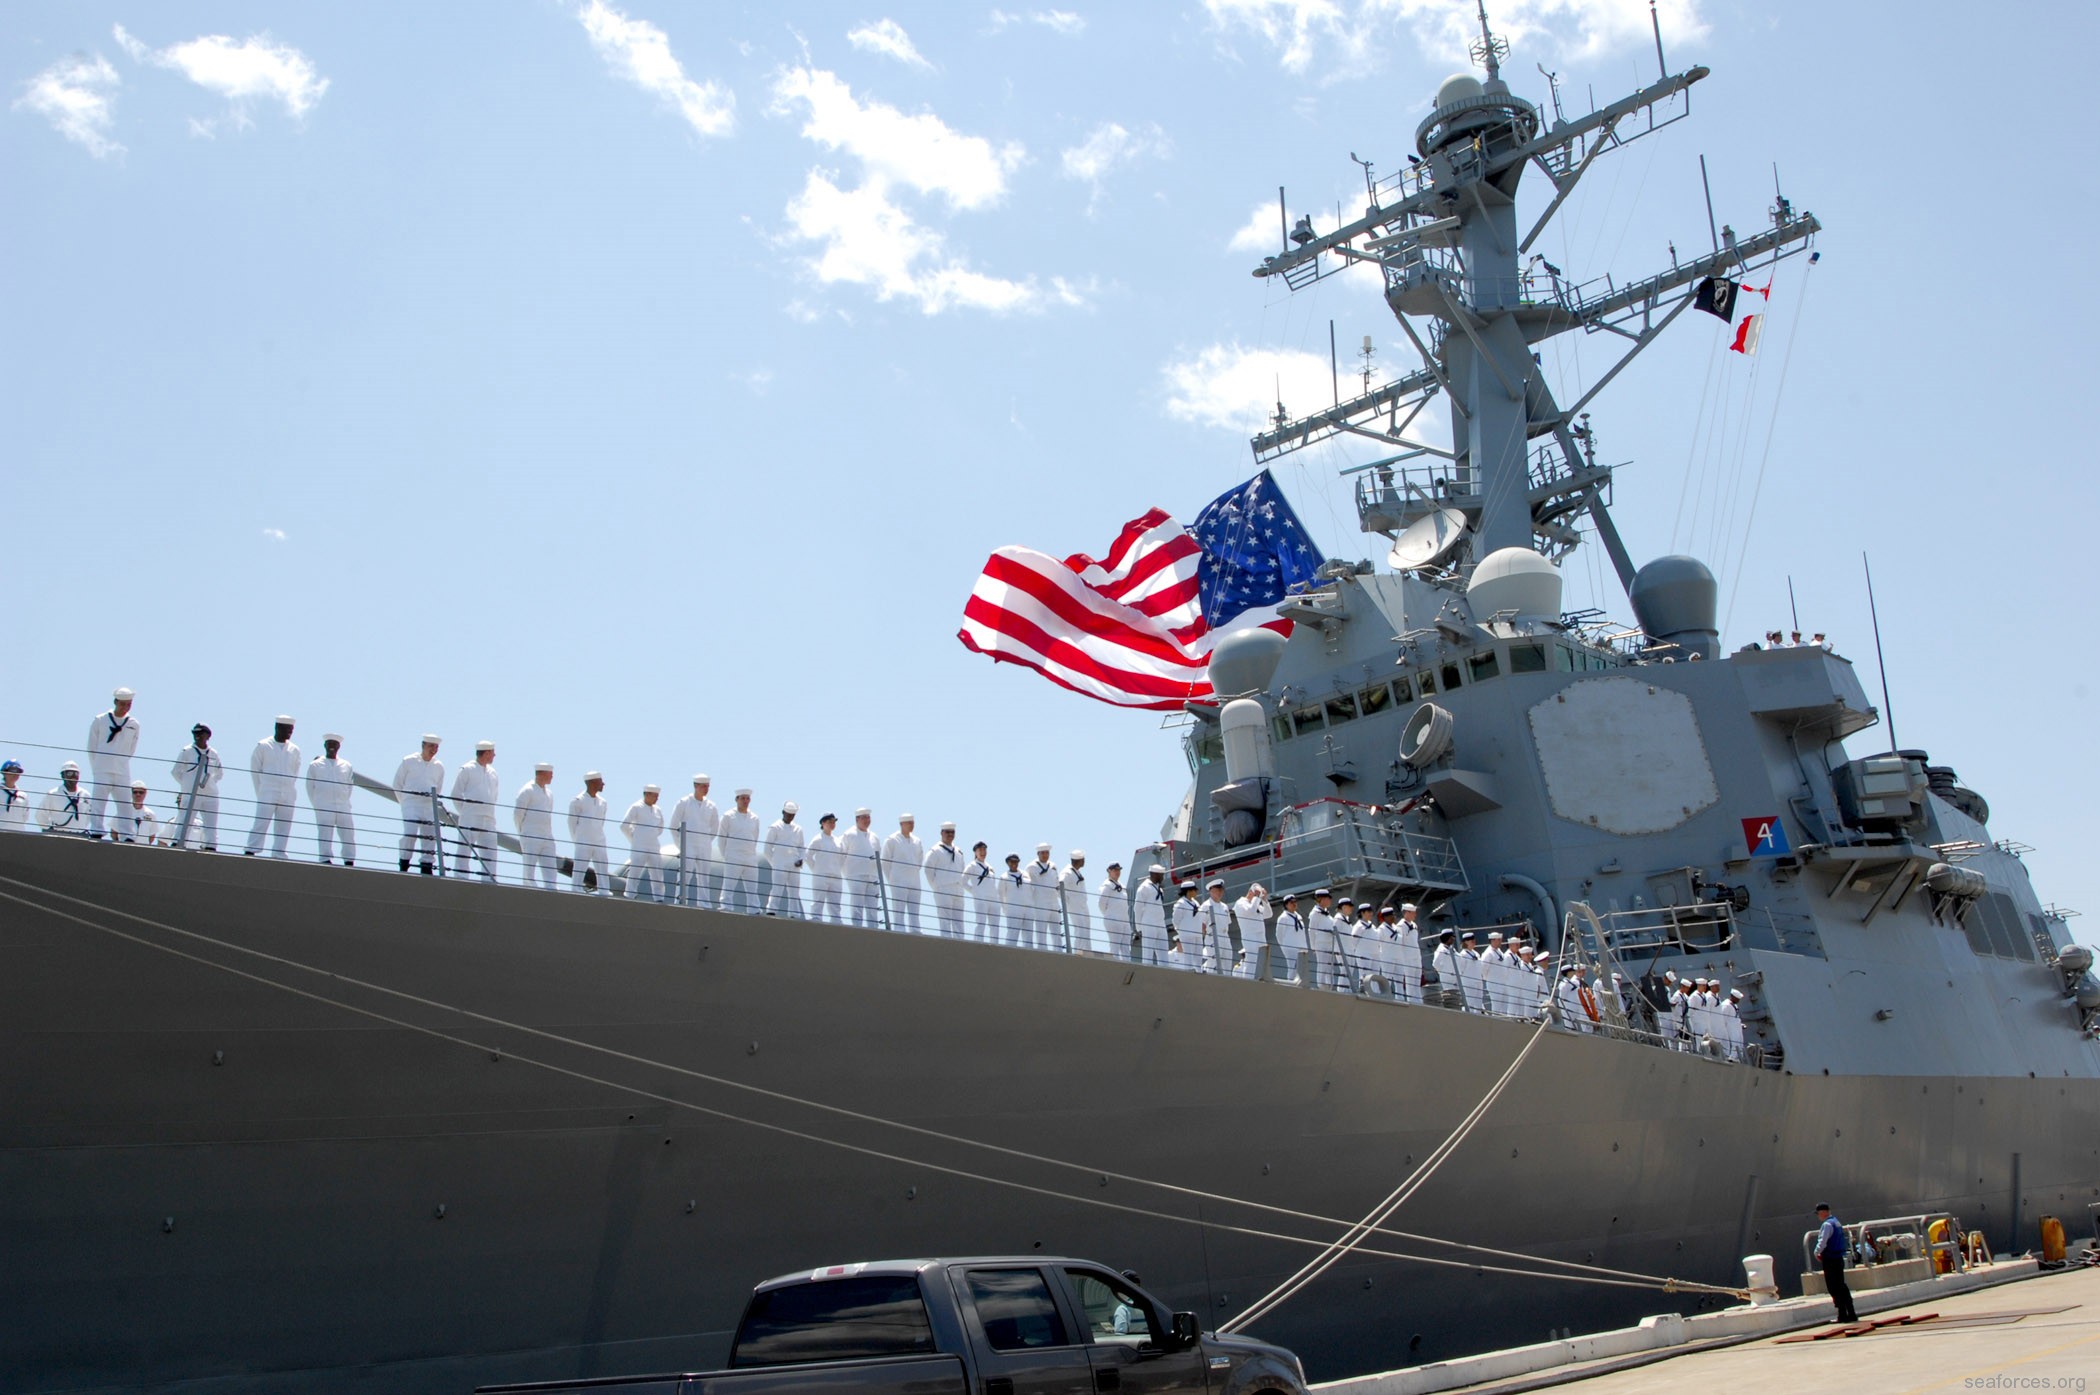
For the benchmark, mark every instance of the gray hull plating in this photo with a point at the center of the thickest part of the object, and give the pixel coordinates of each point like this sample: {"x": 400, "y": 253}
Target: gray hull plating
{"x": 206, "y": 1175}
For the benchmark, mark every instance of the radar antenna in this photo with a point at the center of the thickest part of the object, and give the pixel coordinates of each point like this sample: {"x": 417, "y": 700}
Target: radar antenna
{"x": 1489, "y": 51}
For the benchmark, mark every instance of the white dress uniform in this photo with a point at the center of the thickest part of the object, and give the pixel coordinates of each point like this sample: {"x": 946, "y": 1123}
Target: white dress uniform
{"x": 275, "y": 767}
{"x": 135, "y": 823}
{"x": 863, "y": 893}
{"x": 328, "y": 787}
{"x": 982, "y": 884}
{"x": 827, "y": 868}
{"x": 532, "y": 815}
{"x": 1474, "y": 980}
{"x": 197, "y": 776}
{"x": 111, "y": 742}
{"x": 1184, "y": 950}
{"x": 1112, "y": 904}
{"x": 415, "y": 781}
{"x": 1497, "y": 966}
{"x": 65, "y": 810}
{"x": 903, "y": 870}
{"x": 643, "y": 824}
{"x": 1215, "y": 920}
{"x": 475, "y": 790}
{"x": 1290, "y": 943}
{"x": 1075, "y": 920}
{"x": 1450, "y": 986}
{"x": 1677, "y": 1022}
{"x": 1039, "y": 931}
{"x": 1017, "y": 899}
{"x": 1406, "y": 954}
{"x": 736, "y": 845}
{"x": 1731, "y": 1029}
{"x": 943, "y": 871}
{"x": 1148, "y": 921}
{"x": 693, "y": 824}
{"x": 1250, "y": 917}
{"x": 14, "y": 810}
{"x": 784, "y": 854}
{"x": 1319, "y": 938}
{"x": 587, "y": 814}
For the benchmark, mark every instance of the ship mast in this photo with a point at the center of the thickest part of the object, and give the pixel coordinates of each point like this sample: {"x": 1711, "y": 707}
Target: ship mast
{"x": 1445, "y": 235}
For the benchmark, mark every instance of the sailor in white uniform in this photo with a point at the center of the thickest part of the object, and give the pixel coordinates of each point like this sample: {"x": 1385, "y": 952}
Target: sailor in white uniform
{"x": 198, "y": 771}
{"x": 694, "y": 823}
{"x": 1250, "y": 927}
{"x": 274, "y": 766}
{"x": 417, "y": 780}
{"x": 1470, "y": 974}
{"x": 1112, "y": 903}
{"x": 135, "y": 823}
{"x": 785, "y": 847}
{"x": 1185, "y": 937}
{"x": 1320, "y": 939}
{"x": 1075, "y": 928}
{"x": 903, "y": 869}
{"x": 14, "y": 800}
{"x": 1215, "y": 929}
{"x": 1731, "y": 1015}
{"x": 329, "y": 782}
{"x": 737, "y": 845}
{"x": 1148, "y": 916}
{"x": 65, "y": 805}
{"x": 863, "y": 886}
{"x": 475, "y": 789}
{"x": 1017, "y": 901}
{"x": 943, "y": 871}
{"x": 1450, "y": 987}
{"x": 1406, "y": 954}
{"x": 532, "y": 815}
{"x": 1495, "y": 979}
{"x": 827, "y": 867}
{"x": 1567, "y": 1000}
{"x": 643, "y": 825}
{"x": 1290, "y": 943}
{"x": 587, "y": 814}
{"x": 982, "y": 885}
{"x": 112, "y": 739}
{"x": 1350, "y": 963}
{"x": 1042, "y": 901}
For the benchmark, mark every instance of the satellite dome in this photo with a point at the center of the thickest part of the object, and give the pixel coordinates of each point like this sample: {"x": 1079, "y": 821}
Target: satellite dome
{"x": 1245, "y": 662}
{"x": 1675, "y": 600}
{"x": 1457, "y": 88}
{"x": 1518, "y": 580}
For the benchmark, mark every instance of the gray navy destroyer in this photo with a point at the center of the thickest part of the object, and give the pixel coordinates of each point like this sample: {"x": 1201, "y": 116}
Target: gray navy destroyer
{"x": 269, "y": 1125}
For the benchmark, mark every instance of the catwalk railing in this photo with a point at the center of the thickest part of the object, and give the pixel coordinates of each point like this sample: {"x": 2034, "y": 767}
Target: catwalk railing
{"x": 442, "y": 837}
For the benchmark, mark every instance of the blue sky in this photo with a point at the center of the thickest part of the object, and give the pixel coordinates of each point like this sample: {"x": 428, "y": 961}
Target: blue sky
{"x": 641, "y": 386}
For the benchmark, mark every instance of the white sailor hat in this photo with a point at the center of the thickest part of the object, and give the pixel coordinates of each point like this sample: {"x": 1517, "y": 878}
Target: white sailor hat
{"x": 1406, "y": 906}
{"x": 284, "y": 721}
{"x": 1214, "y": 884}
{"x": 481, "y": 746}
{"x": 590, "y": 775}
{"x": 702, "y": 780}
{"x": 1078, "y": 853}
{"x": 1322, "y": 891}
{"x": 861, "y": 813}
{"x": 429, "y": 740}
{"x": 1669, "y": 975}
{"x": 744, "y": 792}
{"x": 1289, "y": 896}
{"x": 1494, "y": 935}
{"x": 1345, "y": 901}
{"x": 328, "y": 736}
{"x": 69, "y": 765}
{"x": 906, "y": 818}
{"x": 1188, "y": 886}
{"x": 141, "y": 784}
{"x": 948, "y": 826}
{"x": 1155, "y": 870}
{"x": 1545, "y": 954}
{"x": 651, "y": 789}
{"x": 1467, "y": 935}
{"x": 1524, "y": 947}
{"x": 1735, "y": 992}
{"x": 1042, "y": 847}
{"x": 791, "y": 807}
{"x": 543, "y": 768}
{"x": 122, "y": 695}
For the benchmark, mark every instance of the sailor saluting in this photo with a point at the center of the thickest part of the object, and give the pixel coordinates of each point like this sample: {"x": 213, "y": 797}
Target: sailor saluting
{"x": 112, "y": 738}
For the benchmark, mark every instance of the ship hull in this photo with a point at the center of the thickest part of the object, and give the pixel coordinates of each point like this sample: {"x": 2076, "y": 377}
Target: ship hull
{"x": 273, "y": 1125}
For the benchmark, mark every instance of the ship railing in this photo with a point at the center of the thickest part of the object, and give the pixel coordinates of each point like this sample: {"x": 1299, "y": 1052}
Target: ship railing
{"x": 1353, "y": 849}
{"x": 1695, "y": 929}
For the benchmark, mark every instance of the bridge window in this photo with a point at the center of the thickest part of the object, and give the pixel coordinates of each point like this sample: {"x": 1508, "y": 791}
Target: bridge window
{"x": 1403, "y": 690}
{"x": 1372, "y": 701}
{"x": 1483, "y": 665}
{"x": 1563, "y": 659}
{"x": 1448, "y": 678}
{"x": 1307, "y": 719}
{"x": 1341, "y": 708}
{"x": 1527, "y": 658}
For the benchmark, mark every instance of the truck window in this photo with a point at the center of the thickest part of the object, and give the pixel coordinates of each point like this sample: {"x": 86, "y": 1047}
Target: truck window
{"x": 834, "y": 1320}
{"x": 1113, "y": 1312}
{"x": 1016, "y": 1309}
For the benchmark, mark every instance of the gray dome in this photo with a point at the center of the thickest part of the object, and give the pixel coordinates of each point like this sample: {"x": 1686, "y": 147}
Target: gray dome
{"x": 1245, "y": 662}
{"x": 1675, "y": 599}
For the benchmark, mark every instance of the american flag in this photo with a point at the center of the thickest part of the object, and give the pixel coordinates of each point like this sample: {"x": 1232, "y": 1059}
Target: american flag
{"x": 1135, "y": 628}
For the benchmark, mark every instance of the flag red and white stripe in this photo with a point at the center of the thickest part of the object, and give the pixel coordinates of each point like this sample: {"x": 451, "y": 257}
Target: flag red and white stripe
{"x": 1127, "y": 629}
{"x": 1747, "y": 334}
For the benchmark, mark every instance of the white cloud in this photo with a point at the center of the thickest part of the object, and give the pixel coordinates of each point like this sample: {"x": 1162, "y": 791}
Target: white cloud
{"x": 639, "y": 52}
{"x": 887, "y": 38}
{"x": 1236, "y": 388}
{"x": 1057, "y": 21}
{"x": 1341, "y": 37}
{"x": 1110, "y": 145}
{"x": 78, "y": 97}
{"x": 1262, "y": 233}
{"x": 920, "y": 150}
{"x": 242, "y": 71}
{"x": 274, "y": 534}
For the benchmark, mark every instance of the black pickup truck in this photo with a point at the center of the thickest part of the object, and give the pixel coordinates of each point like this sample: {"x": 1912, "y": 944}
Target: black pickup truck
{"x": 1031, "y": 1326}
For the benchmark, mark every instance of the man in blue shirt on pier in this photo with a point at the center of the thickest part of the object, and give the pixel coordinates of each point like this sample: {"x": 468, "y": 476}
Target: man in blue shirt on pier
{"x": 1831, "y": 1244}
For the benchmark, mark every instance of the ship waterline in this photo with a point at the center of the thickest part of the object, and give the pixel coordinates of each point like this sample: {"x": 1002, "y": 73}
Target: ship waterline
{"x": 276, "y": 1124}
